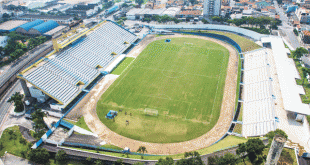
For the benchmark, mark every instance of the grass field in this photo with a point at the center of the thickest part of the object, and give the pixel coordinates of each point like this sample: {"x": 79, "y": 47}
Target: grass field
{"x": 122, "y": 66}
{"x": 183, "y": 80}
{"x": 244, "y": 43}
{"x": 227, "y": 142}
{"x": 81, "y": 123}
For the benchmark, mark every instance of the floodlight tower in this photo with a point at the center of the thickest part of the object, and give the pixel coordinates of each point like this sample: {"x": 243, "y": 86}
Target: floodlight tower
{"x": 275, "y": 150}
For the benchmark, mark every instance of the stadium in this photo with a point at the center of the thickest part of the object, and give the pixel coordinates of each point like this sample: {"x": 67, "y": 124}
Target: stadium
{"x": 170, "y": 93}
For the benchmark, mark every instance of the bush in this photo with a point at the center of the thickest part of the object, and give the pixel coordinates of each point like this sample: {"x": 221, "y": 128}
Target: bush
{"x": 295, "y": 32}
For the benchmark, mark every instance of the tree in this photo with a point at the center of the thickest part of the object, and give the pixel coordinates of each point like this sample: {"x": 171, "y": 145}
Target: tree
{"x": 270, "y": 135}
{"x": 227, "y": 159}
{"x": 18, "y": 103}
{"x": 139, "y": 163}
{"x": 61, "y": 156}
{"x": 119, "y": 162}
{"x": 204, "y": 21}
{"x": 139, "y": 2}
{"x": 39, "y": 124}
{"x": 124, "y": 5}
{"x": 299, "y": 52}
{"x": 39, "y": 155}
{"x": 193, "y": 2}
{"x": 167, "y": 161}
{"x": 190, "y": 158}
{"x": 142, "y": 149}
{"x": 253, "y": 149}
{"x": 99, "y": 162}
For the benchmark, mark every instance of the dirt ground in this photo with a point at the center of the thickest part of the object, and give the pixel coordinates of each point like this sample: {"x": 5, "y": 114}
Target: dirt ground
{"x": 87, "y": 108}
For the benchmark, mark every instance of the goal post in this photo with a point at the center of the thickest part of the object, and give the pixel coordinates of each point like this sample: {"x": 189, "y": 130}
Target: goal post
{"x": 150, "y": 112}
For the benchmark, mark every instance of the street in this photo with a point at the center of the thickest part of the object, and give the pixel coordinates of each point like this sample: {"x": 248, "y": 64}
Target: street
{"x": 286, "y": 28}
{"x": 4, "y": 105}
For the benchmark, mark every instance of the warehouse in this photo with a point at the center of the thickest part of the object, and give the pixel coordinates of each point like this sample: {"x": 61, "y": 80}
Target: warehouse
{"x": 10, "y": 26}
{"x": 56, "y": 32}
{"x": 59, "y": 19}
{"x": 42, "y": 28}
{"x": 26, "y": 27}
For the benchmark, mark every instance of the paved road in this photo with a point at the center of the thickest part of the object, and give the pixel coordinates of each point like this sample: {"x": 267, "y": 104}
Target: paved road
{"x": 286, "y": 28}
{"x": 25, "y": 59}
{"x": 4, "y": 105}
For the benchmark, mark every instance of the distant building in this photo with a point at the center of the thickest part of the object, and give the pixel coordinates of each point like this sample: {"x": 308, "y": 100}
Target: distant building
{"x": 43, "y": 28}
{"x": 212, "y": 7}
{"x": 3, "y": 41}
{"x": 26, "y": 27}
{"x": 303, "y": 15}
{"x": 84, "y": 10}
{"x": 305, "y": 36}
{"x": 190, "y": 14}
{"x": 10, "y": 26}
{"x": 59, "y": 19}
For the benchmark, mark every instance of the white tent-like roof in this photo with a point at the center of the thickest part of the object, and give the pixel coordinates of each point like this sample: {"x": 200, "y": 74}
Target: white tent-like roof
{"x": 287, "y": 74}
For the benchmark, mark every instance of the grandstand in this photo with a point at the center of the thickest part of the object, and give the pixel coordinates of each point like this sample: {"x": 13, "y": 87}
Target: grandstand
{"x": 258, "y": 101}
{"x": 65, "y": 74}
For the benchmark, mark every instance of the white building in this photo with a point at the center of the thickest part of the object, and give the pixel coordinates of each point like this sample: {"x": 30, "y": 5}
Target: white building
{"x": 3, "y": 41}
{"x": 212, "y": 7}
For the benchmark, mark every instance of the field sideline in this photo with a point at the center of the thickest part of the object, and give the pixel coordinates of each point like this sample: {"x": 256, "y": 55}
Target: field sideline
{"x": 183, "y": 80}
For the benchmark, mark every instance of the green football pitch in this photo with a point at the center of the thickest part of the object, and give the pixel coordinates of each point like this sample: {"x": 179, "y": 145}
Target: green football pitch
{"x": 182, "y": 80}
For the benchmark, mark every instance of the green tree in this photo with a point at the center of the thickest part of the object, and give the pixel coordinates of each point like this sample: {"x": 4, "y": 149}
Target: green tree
{"x": 139, "y": 163}
{"x": 270, "y": 135}
{"x": 253, "y": 149}
{"x": 142, "y": 149}
{"x": 61, "y": 157}
{"x": 119, "y": 162}
{"x": 190, "y": 158}
{"x": 139, "y": 2}
{"x": 39, "y": 155}
{"x": 204, "y": 21}
{"x": 99, "y": 162}
{"x": 37, "y": 118}
{"x": 167, "y": 161}
{"x": 299, "y": 52}
{"x": 227, "y": 159}
{"x": 18, "y": 103}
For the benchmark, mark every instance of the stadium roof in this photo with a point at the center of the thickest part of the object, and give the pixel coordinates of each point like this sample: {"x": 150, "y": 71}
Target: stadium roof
{"x": 287, "y": 75}
{"x": 242, "y": 31}
{"x": 29, "y": 25}
{"x": 46, "y": 26}
{"x": 64, "y": 75}
{"x": 11, "y": 25}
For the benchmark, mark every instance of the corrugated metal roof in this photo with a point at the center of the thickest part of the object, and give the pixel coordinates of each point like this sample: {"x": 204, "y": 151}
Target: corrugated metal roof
{"x": 29, "y": 25}
{"x": 46, "y": 26}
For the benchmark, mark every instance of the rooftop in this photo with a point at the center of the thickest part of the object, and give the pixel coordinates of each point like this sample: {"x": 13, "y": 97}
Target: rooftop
{"x": 54, "y": 17}
{"x": 191, "y": 12}
{"x": 51, "y": 32}
{"x": 11, "y": 24}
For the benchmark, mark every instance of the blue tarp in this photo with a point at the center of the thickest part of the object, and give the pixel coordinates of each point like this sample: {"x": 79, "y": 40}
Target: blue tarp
{"x": 111, "y": 114}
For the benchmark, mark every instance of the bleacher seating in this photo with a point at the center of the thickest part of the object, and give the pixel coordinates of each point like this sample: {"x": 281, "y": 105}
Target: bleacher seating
{"x": 59, "y": 75}
{"x": 258, "y": 103}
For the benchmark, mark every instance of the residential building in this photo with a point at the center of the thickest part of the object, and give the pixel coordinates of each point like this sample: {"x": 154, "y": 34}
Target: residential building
{"x": 305, "y": 36}
{"x": 212, "y": 8}
{"x": 190, "y": 14}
